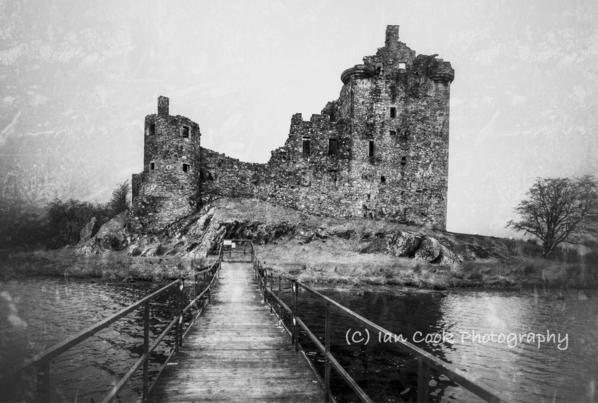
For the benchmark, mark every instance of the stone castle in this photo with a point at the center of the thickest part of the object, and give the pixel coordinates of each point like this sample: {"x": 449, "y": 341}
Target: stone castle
{"x": 379, "y": 151}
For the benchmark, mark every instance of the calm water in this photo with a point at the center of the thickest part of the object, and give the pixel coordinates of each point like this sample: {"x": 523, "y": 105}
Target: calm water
{"x": 563, "y": 369}
{"x": 37, "y": 313}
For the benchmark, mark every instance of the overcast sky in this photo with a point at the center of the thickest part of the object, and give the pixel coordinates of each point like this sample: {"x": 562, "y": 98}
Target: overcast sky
{"x": 523, "y": 103}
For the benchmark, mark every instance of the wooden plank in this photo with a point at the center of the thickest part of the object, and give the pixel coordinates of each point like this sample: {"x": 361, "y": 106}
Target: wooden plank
{"x": 237, "y": 352}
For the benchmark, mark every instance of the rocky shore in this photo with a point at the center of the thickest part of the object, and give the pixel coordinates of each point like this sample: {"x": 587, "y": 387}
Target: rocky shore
{"x": 314, "y": 249}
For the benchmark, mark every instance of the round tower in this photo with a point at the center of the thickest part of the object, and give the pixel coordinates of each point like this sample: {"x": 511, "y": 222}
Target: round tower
{"x": 168, "y": 187}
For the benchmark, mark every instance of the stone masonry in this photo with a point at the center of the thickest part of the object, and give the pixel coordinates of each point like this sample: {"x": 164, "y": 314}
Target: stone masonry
{"x": 379, "y": 151}
{"x": 166, "y": 189}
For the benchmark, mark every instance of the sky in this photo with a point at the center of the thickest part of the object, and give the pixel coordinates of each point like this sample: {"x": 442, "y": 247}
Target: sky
{"x": 79, "y": 76}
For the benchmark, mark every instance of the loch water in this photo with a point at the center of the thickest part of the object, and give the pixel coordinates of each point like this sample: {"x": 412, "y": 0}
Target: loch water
{"x": 36, "y": 313}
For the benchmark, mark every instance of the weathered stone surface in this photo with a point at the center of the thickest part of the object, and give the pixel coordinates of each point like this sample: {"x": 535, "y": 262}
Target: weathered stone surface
{"x": 432, "y": 251}
{"x": 87, "y": 230}
{"x": 379, "y": 151}
{"x": 113, "y": 234}
{"x": 167, "y": 189}
{"x": 404, "y": 244}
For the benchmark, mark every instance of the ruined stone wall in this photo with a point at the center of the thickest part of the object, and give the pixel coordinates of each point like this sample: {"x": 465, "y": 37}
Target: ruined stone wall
{"x": 221, "y": 175}
{"x": 167, "y": 189}
{"x": 380, "y": 151}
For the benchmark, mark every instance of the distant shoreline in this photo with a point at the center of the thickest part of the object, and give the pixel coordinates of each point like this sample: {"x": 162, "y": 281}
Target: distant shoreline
{"x": 118, "y": 266}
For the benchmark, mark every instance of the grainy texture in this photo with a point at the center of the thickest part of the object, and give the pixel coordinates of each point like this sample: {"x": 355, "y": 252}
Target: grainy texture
{"x": 379, "y": 151}
{"x": 237, "y": 352}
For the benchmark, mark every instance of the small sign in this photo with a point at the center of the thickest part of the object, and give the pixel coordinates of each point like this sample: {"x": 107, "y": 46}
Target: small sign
{"x": 233, "y": 245}
{"x": 228, "y": 242}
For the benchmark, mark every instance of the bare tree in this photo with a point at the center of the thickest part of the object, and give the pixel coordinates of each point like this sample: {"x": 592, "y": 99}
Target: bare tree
{"x": 557, "y": 210}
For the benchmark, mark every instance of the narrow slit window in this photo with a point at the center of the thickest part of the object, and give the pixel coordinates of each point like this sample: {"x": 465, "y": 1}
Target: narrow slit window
{"x": 382, "y": 179}
{"x": 185, "y": 167}
{"x": 403, "y": 161}
{"x": 393, "y": 132}
{"x": 186, "y": 132}
{"x": 306, "y": 148}
{"x": 333, "y": 147}
{"x": 152, "y": 166}
{"x": 393, "y": 112}
{"x": 371, "y": 149}
{"x": 151, "y": 131}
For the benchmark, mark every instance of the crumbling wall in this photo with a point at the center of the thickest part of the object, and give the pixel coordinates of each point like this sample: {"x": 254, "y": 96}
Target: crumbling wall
{"x": 221, "y": 175}
{"x": 380, "y": 150}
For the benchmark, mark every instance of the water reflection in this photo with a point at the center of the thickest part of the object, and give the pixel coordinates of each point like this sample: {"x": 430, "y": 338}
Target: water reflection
{"x": 36, "y": 313}
{"x": 564, "y": 368}
{"x": 54, "y": 309}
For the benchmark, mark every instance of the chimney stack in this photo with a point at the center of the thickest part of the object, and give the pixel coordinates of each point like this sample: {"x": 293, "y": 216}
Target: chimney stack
{"x": 162, "y": 105}
{"x": 392, "y": 35}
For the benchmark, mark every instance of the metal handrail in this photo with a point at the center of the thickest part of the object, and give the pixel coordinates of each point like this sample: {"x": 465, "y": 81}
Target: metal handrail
{"x": 42, "y": 361}
{"x": 425, "y": 360}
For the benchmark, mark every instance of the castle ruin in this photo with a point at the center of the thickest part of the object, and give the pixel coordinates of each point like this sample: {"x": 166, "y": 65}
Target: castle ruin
{"x": 379, "y": 151}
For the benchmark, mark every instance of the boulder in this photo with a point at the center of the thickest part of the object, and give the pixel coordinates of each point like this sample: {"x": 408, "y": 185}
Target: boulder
{"x": 113, "y": 234}
{"x": 87, "y": 231}
{"x": 429, "y": 250}
{"x": 447, "y": 256}
{"x": 404, "y": 244}
{"x": 432, "y": 251}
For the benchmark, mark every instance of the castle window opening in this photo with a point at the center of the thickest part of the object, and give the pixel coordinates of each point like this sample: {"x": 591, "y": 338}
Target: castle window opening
{"x": 332, "y": 146}
{"x": 403, "y": 161}
{"x": 185, "y": 167}
{"x": 382, "y": 179}
{"x": 186, "y": 132}
{"x": 371, "y": 150}
{"x": 152, "y": 129}
{"x": 393, "y": 132}
{"x": 393, "y": 112}
{"x": 152, "y": 166}
{"x": 306, "y": 148}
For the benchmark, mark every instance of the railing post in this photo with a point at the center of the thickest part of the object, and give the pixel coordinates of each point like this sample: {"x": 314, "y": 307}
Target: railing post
{"x": 327, "y": 350}
{"x": 43, "y": 382}
{"x": 180, "y": 324}
{"x": 265, "y": 284}
{"x": 295, "y": 315}
{"x": 422, "y": 381}
{"x": 146, "y": 313}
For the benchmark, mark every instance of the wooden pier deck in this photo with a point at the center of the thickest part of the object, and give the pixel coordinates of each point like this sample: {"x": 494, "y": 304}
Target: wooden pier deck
{"x": 237, "y": 352}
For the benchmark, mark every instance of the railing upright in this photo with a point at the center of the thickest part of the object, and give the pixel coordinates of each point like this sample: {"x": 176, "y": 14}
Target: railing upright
{"x": 146, "y": 314}
{"x": 180, "y": 296}
{"x": 43, "y": 379}
{"x": 423, "y": 377}
{"x": 295, "y": 315}
{"x": 327, "y": 350}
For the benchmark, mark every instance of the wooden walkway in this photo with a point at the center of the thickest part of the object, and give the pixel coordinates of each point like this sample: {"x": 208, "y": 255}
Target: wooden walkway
{"x": 237, "y": 352}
